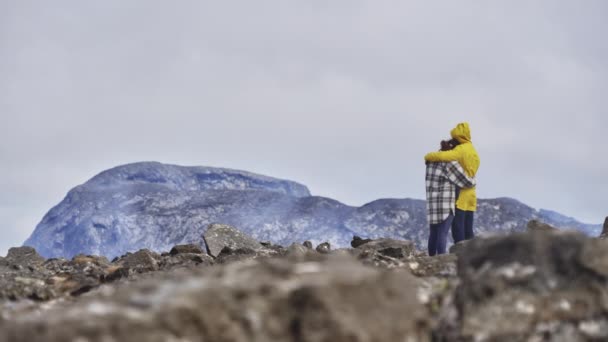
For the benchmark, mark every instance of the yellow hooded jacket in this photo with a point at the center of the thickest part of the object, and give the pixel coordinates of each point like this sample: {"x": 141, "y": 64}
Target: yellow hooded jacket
{"x": 466, "y": 155}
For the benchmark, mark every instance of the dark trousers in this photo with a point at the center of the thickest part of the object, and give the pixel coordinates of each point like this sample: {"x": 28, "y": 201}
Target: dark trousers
{"x": 462, "y": 226}
{"x": 438, "y": 236}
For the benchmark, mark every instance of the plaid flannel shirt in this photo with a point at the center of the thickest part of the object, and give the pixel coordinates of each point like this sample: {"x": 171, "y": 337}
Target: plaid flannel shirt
{"x": 441, "y": 182}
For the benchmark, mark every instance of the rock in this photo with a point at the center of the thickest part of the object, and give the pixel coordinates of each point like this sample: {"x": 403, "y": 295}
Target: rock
{"x": 297, "y": 250}
{"x": 324, "y": 248}
{"x": 191, "y": 248}
{"x": 357, "y": 241}
{"x": 232, "y": 255}
{"x": 140, "y": 261}
{"x": 271, "y": 300}
{"x": 604, "y": 233}
{"x": 219, "y": 236}
{"x": 185, "y": 260}
{"x": 24, "y": 256}
{"x": 534, "y": 225}
{"x": 307, "y": 244}
{"x": 390, "y": 247}
{"x": 459, "y": 247}
{"x": 442, "y": 266}
{"x": 515, "y": 287}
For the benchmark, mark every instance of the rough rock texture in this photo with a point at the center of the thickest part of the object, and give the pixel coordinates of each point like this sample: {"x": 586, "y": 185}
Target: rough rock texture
{"x": 334, "y": 299}
{"x": 538, "y": 286}
{"x": 541, "y": 285}
{"x": 181, "y": 249}
{"x": 156, "y": 206}
{"x": 535, "y": 225}
{"x": 324, "y": 248}
{"x": 604, "y": 233}
{"x": 219, "y": 236}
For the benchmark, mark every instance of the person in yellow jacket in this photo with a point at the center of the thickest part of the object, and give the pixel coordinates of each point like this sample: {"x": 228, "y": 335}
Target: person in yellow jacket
{"x": 466, "y": 203}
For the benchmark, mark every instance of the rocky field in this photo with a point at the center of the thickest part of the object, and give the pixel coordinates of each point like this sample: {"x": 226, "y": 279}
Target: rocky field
{"x": 540, "y": 285}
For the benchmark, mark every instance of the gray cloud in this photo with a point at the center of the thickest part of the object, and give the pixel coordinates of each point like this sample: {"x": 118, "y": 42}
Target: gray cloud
{"x": 344, "y": 96}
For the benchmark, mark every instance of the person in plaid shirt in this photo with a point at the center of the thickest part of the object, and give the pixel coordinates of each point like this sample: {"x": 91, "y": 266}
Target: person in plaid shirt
{"x": 441, "y": 182}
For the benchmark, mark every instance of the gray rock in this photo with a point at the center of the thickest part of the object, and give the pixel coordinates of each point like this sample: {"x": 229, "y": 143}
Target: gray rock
{"x": 190, "y": 248}
{"x": 273, "y": 300}
{"x": 391, "y": 247}
{"x": 324, "y": 248}
{"x": 308, "y": 244}
{"x": 357, "y": 241}
{"x": 535, "y": 225}
{"x": 459, "y": 247}
{"x": 185, "y": 260}
{"x": 24, "y": 256}
{"x": 141, "y": 261}
{"x": 604, "y": 233}
{"x": 297, "y": 250}
{"x": 219, "y": 236}
{"x": 514, "y": 286}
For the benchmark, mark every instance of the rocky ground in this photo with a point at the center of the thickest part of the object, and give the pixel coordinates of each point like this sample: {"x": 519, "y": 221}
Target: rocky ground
{"x": 542, "y": 285}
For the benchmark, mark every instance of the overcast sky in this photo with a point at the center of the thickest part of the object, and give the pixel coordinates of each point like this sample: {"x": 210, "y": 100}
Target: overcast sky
{"x": 344, "y": 96}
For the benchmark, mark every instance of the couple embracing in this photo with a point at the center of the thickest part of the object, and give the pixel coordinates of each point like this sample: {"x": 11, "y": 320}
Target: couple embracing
{"x": 451, "y": 200}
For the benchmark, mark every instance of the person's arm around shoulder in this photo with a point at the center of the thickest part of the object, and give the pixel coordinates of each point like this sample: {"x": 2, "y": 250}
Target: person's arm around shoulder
{"x": 444, "y": 156}
{"x": 456, "y": 175}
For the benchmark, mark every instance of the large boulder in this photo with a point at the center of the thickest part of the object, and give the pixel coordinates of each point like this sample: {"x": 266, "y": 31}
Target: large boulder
{"x": 220, "y": 236}
{"x": 540, "y": 285}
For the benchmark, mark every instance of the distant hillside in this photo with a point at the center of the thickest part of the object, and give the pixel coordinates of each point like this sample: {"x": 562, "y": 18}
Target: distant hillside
{"x": 153, "y": 205}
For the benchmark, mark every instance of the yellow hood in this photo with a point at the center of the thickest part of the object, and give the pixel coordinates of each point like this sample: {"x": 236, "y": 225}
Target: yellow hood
{"x": 462, "y": 133}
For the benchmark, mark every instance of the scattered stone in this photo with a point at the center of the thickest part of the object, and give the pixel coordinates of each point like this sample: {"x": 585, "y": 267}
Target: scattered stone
{"x": 324, "y": 248}
{"x": 308, "y": 244}
{"x": 219, "y": 236}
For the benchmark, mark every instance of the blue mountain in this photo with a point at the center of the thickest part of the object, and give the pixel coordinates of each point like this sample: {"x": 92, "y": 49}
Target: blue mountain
{"x": 156, "y": 206}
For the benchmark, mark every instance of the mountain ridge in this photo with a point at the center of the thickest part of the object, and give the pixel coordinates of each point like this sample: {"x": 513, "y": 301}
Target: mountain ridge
{"x": 153, "y": 205}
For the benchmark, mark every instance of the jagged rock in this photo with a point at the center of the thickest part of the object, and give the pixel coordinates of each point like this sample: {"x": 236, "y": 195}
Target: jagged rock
{"x": 308, "y": 244}
{"x": 531, "y": 286}
{"x": 540, "y": 226}
{"x": 191, "y": 248}
{"x": 273, "y": 300}
{"x": 219, "y": 236}
{"x": 324, "y": 248}
{"x": 357, "y": 241}
{"x": 604, "y": 233}
{"x": 24, "y": 256}
{"x": 141, "y": 261}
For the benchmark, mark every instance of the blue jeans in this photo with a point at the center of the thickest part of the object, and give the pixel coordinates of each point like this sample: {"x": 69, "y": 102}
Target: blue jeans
{"x": 438, "y": 236}
{"x": 462, "y": 227}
